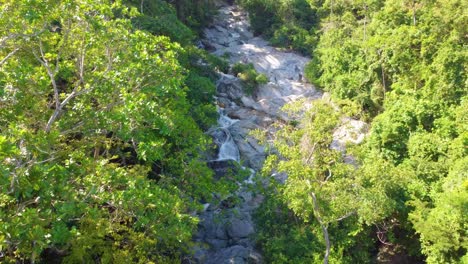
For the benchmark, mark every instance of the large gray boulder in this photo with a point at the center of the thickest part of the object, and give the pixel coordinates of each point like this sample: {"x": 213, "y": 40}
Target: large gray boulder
{"x": 250, "y": 151}
{"x": 211, "y": 228}
{"x": 240, "y": 228}
{"x": 230, "y": 86}
{"x": 235, "y": 255}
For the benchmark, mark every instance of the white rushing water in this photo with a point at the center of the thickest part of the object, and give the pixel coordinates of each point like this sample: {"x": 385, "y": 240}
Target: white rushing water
{"x": 228, "y": 149}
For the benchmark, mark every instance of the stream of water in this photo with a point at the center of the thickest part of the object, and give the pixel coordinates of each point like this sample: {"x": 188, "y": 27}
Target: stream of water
{"x": 226, "y": 230}
{"x": 228, "y": 149}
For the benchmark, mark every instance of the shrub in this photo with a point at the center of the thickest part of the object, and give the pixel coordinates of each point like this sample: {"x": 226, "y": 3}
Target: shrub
{"x": 249, "y": 76}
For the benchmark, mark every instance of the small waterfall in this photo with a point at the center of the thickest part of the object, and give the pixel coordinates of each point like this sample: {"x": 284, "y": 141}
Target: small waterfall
{"x": 226, "y": 225}
{"x": 228, "y": 149}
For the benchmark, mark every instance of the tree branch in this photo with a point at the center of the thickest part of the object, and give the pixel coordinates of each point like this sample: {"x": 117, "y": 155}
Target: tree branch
{"x": 12, "y": 36}
{"x": 51, "y": 73}
{"x": 329, "y": 175}
{"x": 8, "y": 56}
{"x": 344, "y": 216}
{"x": 311, "y": 153}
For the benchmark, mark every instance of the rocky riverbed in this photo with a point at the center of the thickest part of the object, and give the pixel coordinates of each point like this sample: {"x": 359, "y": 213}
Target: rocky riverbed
{"x": 226, "y": 230}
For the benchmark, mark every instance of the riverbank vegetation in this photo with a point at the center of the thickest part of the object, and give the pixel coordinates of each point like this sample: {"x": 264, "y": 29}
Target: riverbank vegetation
{"x": 403, "y": 66}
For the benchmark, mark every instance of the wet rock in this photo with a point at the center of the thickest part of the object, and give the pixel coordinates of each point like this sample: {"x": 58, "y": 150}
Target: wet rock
{"x": 217, "y": 244}
{"x": 223, "y": 101}
{"x": 199, "y": 255}
{"x": 240, "y": 228}
{"x": 240, "y": 113}
{"x": 249, "y": 102}
{"x": 219, "y": 136}
{"x": 211, "y": 228}
{"x": 280, "y": 177}
{"x": 207, "y": 45}
{"x": 245, "y": 34}
{"x": 221, "y": 29}
{"x": 232, "y": 255}
{"x": 250, "y": 151}
{"x": 230, "y": 86}
{"x": 260, "y": 119}
{"x": 223, "y": 168}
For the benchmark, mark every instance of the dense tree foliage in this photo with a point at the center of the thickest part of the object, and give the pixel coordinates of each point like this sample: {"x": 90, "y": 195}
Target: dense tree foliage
{"x": 321, "y": 189}
{"x": 100, "y": 146}
{"x": 288, "y": 23}
{"x": 402, "y": 66}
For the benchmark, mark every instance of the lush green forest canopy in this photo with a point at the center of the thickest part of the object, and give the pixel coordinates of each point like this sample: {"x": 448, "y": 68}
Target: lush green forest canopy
{"x": 102, "y": 110}
{"x": 103, "y": 105}
{"x": 401, "y": 66}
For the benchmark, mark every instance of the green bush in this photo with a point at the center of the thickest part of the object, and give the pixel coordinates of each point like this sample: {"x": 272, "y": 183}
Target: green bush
{"x": 200, "y": 92}
{"x": 261, "y": 14}
{"x": 294, "y": 37}
{"x": 261, "y": 79}
{"x": 249, "y": 76}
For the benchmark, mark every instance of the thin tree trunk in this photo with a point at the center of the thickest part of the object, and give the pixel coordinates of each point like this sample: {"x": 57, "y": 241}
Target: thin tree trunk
{"x": 383, "y": 73}
{"x": 327, "y": 242}
{"x": 52, "y": 119}
{"x": 324, "y": 228}
{"x": 383, "y": 79}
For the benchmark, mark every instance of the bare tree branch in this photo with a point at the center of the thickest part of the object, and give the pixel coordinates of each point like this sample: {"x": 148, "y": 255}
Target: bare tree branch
{"x": 16, "y": 35}
{"x": 8, "y": 56}
{"x": 311, "y": 153}
{"x": 329, "y": 175}
{"x": 381, "y": 236}
{"x": 59, "y": 105}
{"x": 344, "y": 216}
{"x": 51, "y": 75}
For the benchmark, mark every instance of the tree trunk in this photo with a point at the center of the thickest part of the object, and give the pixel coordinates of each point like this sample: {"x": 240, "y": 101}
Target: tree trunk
{"x": 327, "y": 242}
{"x": 324, "y": 228}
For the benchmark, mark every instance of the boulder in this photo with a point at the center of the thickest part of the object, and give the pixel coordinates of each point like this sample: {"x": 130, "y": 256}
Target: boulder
{"x": 249, "y": 102}
{"x": 217, "y": 244}
{"x": 230, "y": 86}
{"x": 350, "y": 131}
{"x": 222, "y": 168}
{"x": 211, "y": 229}
{"x": 223, "y": 101}
{"x": 240, "y": 226}
{"x": 232, "y": 255}
{"x": 250, "y": 151}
